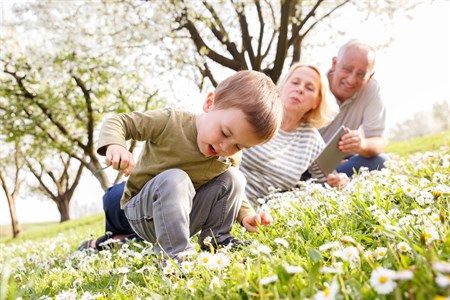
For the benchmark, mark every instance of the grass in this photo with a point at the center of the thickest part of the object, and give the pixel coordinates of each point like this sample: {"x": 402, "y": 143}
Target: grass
{"x": 420, "y": 144}
{"x": 386, "y": 236}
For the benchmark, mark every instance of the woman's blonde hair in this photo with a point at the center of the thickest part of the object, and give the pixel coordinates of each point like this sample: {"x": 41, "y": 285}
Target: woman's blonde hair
{"x": 325, "y": 112}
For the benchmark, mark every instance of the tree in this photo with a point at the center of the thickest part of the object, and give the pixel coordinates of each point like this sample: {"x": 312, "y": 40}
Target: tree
{"x": 12, "y": 189}
{"x": 260, "y": 35}
{"x": 56, "y": 95}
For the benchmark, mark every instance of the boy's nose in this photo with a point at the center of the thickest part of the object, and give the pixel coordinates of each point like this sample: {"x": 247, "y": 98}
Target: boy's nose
{"x": 226, "y": 148}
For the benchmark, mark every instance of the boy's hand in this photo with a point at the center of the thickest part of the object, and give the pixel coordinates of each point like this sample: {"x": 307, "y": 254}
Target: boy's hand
{"x": 251, "y": 222}
{"x": 120, "y": 158}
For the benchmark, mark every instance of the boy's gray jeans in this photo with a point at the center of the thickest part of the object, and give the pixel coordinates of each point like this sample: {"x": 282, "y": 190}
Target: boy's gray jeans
{"x": 168, "y": 210}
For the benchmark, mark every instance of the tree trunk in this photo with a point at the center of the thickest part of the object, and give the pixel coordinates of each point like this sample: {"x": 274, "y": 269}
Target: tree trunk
{"x": 64, "y": 209}
{"x": 14, "y": 220}
{"x": 12, "y": 205}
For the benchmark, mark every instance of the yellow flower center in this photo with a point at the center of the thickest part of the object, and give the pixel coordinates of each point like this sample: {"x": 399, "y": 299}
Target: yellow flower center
{"x": 383, "y": 279}
{"x": 326, "y": 292}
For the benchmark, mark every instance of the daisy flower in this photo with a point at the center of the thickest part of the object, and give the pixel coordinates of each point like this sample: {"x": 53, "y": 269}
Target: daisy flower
{"x": 381, "y": 252}
{"x": 328, "y": 293}
{"x": 403, "y": 247}
{"x": 443, "y": 281}
{"x": 215, "y": 283}
{"x": 281, "y": 242}
{"x": 221, "y": 260}
{"x": 205, "y": 259}
{"x": 382, "y": 280}
{"x": 190, "y": 285}
{"x": 187, "y": 266}
{"x": 441, "y": 266}
{"x": 267, "y": 280}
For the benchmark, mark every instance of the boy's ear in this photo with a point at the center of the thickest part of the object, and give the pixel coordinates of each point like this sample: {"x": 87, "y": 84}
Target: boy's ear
{"x": 209, "y": 102}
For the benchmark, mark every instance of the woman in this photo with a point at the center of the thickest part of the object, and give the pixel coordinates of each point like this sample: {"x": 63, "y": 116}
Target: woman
{"x": 281, "y": 162}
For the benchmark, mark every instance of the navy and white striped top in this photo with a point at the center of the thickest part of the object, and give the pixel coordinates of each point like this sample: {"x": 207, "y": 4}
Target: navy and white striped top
{"x": 281, "y": 162}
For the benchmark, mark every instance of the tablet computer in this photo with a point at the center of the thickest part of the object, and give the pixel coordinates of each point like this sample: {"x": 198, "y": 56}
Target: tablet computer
{"x": 331, "y": 156}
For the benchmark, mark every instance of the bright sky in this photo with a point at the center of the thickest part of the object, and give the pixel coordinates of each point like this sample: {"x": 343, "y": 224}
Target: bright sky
{"x": 413, "y": 72}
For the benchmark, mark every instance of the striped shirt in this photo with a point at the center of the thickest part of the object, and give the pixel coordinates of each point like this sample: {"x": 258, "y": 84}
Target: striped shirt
{"x": 281, "y": 162}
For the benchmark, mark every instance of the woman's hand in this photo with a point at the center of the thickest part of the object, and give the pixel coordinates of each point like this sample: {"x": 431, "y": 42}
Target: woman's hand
{"x": 337, "y": 180}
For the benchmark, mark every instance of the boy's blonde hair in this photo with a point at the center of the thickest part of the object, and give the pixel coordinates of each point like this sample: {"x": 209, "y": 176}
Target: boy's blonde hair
{"x": 324, "y": 113}
{"x": 255, "y": 94}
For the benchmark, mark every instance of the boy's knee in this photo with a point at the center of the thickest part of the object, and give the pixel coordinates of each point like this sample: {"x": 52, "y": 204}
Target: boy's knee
{"x": 174, "y": 177}
{"x": 235, "y": 178}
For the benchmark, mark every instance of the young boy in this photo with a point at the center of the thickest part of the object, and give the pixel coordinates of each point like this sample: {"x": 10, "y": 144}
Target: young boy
{"x": 185, "y": 181}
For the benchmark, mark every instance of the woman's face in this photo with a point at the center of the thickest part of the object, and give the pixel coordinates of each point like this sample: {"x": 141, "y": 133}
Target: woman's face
{"x": 301, "y": 92}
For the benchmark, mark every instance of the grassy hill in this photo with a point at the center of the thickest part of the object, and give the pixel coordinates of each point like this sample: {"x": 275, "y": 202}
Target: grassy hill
{"x": 40, "y": 230}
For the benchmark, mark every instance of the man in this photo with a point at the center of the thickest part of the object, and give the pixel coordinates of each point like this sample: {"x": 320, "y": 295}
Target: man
{"x": 362, "y": 110}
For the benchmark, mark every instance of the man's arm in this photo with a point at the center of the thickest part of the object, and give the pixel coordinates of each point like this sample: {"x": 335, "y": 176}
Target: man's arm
{"x": 352, "y": 142}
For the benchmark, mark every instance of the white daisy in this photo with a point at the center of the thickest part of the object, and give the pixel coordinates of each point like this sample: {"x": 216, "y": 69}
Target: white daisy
{"x": 328, "y": 293}
{"x": 382, "y": 280}
{"x": 281, "y": 242}
{"x": 270, "y": 279}
{"x": 380, "y": 253}
{"x": 403, "y": 247}
{"x": 443, "y": 281}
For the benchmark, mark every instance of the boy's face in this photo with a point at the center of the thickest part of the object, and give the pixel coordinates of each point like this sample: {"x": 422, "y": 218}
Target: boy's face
{"x": 223, "y": 132}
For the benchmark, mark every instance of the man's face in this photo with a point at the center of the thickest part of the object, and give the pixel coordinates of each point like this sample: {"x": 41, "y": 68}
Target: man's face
{"x": 350, "y": 73}
{"x": 224, "y": 132}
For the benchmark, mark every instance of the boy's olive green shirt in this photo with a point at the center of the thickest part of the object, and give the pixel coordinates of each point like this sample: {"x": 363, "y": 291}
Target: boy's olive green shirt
{"x": 170, "y": 142}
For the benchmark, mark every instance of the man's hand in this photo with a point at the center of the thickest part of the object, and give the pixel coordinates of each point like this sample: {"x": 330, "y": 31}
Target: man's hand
{"x": 120, "y": 158}
{"x": 337, "y": 180}
{"x": 251, "y": 223}
{"x": 351, "y": 142}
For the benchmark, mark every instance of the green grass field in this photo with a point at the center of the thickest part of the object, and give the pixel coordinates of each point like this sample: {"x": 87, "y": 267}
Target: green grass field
{"x": 41, "y": 230}
{"x": 386, "y": 235}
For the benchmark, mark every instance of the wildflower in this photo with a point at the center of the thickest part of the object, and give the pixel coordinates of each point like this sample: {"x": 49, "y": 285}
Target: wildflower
{"x": 442, "y": 281}
{"x": 430, "y": 234}
{"x": 261, "y": 249}
{"x": 122, "y": 270}
{"x": 169, "y": 269}
{"x": 377, "y": 232}
{"x": 381, "y": 252}
{"x": 67, "y": 295}
{"x": 328, "y": 293}
{"x": 205, "y": 258}
{"x": 382, "y": 280}
{"x": 221, "y": 261}
{"x": 267, "y": 280}
{"x": 293, "y": 269}
{"x": 331, "y": 245}
{"x": 190, "y": 285}
{"x": 441, "y": 266}
{"x": 215, "y": 283}
{"x": 403, "y": 247}
{"x": 186, "y": 266}
{"x": 348, "y": 254}
{"x": 436, "y": 219}
{"x": 336, "y": 268}
{"x": 410, "y": 190}
{"x": 403, "y": 275}
{"x": 281, "y": 242}
{"x": 88, "y": 296}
